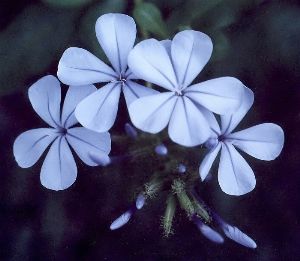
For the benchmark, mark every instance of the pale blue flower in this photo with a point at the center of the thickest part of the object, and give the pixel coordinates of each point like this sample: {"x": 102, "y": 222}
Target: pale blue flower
{"x": 263, "y": 141}
{"x": 59, "y": 170}
{"x": 173, "y": 65}
{"x": 116, "y": 34}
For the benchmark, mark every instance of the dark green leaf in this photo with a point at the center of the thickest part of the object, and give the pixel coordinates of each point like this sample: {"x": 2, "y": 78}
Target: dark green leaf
{"x": 29, "y": 45}
{"x": 67, "y": 3}
{"x": 149, "y": 19}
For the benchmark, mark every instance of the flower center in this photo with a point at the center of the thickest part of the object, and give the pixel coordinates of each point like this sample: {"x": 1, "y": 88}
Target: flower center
{"x": 178, "y": 93}
{"x": 122, "y": 79}
{"x": 62, "y": 131}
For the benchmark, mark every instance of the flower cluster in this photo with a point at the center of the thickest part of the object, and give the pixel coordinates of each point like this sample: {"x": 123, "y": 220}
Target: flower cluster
{"x": 192, "y": 111}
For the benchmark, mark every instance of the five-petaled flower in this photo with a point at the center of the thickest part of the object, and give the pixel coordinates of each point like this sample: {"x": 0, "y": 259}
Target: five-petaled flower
{"x": 173, "y": 65}
{"x": 263, "y": 141}
{"x": 59, "y": 169}
{"x": 116, "y": 34}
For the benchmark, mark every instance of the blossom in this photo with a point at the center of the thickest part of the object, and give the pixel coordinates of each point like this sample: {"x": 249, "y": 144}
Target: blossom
{"x": 173, "y": 65}
{"x": 59, "y": 169}
{"x": 116, "y": 34}
{"x": 263, "y": 141}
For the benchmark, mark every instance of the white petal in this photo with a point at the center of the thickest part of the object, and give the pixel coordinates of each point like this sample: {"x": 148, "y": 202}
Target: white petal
{"x": 230, "y": 121}
{"x": 98, "y": 111}
{"x": 190, "y": 50}
{"x": 209, "y": 233}
{"x": 74, "y": 95}
{"x": 59, "y": 169}
{"x": 167, "y": 44}
{"x": 152, "y": 113}
{"x": 85, "y": 141}
{"x": 150, "y": 61}
{"x": 79, "y": 67}
{"x": 187, "y": 126}
{"x": 122, "y": 220}
{"x": 221, "y": 95}
{"x": 140, "y": 201}
{"x": 133, "y": 91}
{"x": 45, "y": 95}
{"x": 212, "y": 121}
{"x": 238, "y": 236}
{"x": 30, "y": 145}
{"x": 208, "y": 160}
{"x": 235, "y": 175}
{"x": 116, "y": 35}
{"x": 264, "y": 141}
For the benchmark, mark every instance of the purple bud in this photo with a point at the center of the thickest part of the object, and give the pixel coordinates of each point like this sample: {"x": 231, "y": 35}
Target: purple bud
{"x": 211, "y": 143}
{"x": 121, "y": 220}
{"x": 140, "y": 201}
{"x": 130, "y": 131}
{"x": 238, "y": 236}
{"x": 161, "y": 150}
{"x": 208, "y": 232}
{"x": 234, "y": 233}
{"x": 181, "y": 168}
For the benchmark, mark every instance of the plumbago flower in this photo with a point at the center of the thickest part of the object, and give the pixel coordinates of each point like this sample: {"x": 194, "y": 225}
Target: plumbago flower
{"x": 59, "y": 169}
{"x": 173, "y": 65}
{"x": 116, "y": 34}
{"x": 263, "y": 141}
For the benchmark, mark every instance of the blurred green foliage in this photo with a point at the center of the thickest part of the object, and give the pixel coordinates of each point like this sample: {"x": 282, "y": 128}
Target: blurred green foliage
{"x": 149, "y": 19}
{"x": 67, "y": 3}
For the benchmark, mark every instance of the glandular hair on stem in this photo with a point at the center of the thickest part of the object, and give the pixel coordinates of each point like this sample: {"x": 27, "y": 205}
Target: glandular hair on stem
{"x": 167, "y": 221}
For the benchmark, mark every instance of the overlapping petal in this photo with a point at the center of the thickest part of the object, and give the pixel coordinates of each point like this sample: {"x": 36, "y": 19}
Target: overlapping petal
{"x": 263, "y": 141}
{"x": 45, "y": 96}
{"x": 74, "y": 95}
{"x": 30, "y": 145}
{"x": 208, "y": 160}
{"x": 221, "y": 95}
{"x": 190, "y": 51}
{"x": 152, "y": 113}
{"x": 86, "y": 142}
{"x": 133, "y": 91}
{"x": 59, "y": 169}
{"x": 188, "y": 126}
{"x": 79, "y": 67}
{"x": 235, "y": 175}
{"x": 116, "y": 34}
{"x": 98, "y": 111}
{"x": 149, "y": 60}
{"x": 230, "y": 121}
{"x": 212, "y": 121}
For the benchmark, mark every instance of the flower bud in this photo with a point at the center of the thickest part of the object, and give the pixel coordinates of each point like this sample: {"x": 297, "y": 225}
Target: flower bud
{"x": 208, "y": 232}
{"x": 181, "y": 168}
{"x": 121, "y": 220}
{"x": 130, "y": 131}
{"x": 161, "y": 150}
{"x": 140, "y": 201}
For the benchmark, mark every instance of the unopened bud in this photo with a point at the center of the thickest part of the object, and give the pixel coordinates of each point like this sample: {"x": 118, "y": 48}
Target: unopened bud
{"x": 161, "y": 150}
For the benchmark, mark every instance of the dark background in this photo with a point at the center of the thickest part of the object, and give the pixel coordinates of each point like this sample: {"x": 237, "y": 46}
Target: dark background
{"x": 254, "y": 40}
